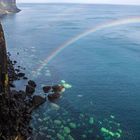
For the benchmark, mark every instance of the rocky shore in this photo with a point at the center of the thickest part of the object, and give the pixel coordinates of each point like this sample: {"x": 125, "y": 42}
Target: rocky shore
{"x": 15, "y": 106}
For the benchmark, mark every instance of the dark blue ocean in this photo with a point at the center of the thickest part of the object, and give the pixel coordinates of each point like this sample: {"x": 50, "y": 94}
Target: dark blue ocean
{"x": 103, "y": 69}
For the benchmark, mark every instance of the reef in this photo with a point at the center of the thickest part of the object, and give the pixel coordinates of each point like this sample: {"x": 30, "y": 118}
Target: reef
{"x": 8, "y": 6}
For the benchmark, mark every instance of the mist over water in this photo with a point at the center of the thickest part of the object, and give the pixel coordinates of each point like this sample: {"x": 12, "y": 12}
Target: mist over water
{"x": 102, "y": 68}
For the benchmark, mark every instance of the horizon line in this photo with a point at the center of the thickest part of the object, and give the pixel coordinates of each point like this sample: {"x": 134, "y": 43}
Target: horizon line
{"x": 123, "y": 4}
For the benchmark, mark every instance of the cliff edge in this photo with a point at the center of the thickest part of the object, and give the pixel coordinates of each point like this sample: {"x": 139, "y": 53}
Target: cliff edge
{"x": 8, "y": 6}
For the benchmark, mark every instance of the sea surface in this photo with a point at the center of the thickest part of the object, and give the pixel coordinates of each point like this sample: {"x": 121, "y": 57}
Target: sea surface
{"x": 103, "y": 69}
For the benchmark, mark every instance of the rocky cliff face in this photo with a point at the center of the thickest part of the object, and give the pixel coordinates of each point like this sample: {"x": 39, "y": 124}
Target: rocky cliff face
{"x": 8, "y": 6}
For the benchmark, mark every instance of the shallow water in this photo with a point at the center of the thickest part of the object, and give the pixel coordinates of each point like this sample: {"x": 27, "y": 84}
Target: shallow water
{"x": 103, "y": 68}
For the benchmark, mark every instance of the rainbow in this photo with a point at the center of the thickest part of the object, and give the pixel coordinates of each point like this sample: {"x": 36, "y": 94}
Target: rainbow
{"x": 109, "y": 24}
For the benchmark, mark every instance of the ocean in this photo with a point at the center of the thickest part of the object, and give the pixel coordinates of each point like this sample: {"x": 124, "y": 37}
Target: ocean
{"x": 95, "y": 49}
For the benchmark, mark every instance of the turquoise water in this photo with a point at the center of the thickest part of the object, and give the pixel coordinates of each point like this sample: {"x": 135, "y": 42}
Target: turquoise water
{"x": 103, "y": 68}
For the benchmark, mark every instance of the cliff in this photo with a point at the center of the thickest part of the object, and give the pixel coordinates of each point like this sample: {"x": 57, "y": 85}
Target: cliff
{"x": 8, "y": 6}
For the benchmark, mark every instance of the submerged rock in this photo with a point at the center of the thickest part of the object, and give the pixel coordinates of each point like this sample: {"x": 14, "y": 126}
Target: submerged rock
{"x": 72, "y": 125}
{"x": 58, "y": 122}
{"x": 66, "y": 130}
{"x": 91, "y": 120}
{"x": 60, "y": 137}
{"x": 54, "y": 106}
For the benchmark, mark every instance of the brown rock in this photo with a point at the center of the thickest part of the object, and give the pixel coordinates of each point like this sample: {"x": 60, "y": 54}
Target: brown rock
{"x": 57, "y": 88}
{"x": 47, "y": 89}
{"x": 54, "y": 96}
{"x": 38, "y": 100}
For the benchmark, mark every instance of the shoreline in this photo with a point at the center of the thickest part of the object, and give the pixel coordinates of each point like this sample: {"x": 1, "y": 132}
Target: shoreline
{"x": 16, "y": 107}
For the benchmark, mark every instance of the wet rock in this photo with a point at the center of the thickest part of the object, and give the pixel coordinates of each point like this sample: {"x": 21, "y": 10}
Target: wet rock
{"x": 32, "y": 83}
{"x": 57, "y": 88}
{"x": 54, "y": 96}
{"x": 25, "y": 78}
{"x": 29, "y": 90}
{"x": 21, "y": 74}
{"x": 15, "y": 62}
{"x": 38, "y": 100}
{"x": 47, "y": 89}
{"x": 17, "y": 70}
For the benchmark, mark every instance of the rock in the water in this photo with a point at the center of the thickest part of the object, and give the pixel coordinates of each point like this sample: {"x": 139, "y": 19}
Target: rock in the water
{"x": 25, "y": 78}
{"x": 72, "y": 125}
{"x": 29, "y": 90}
{"x": 54, "y": 96}
{"x": 21, "y": 74}
{"x": 91, "y": 120}
{"x": 32, "y": 83}
{"x": 57, "y": 88}
{"x": 55, "y": 106}
{"x": 60, "y": 137}
{"x": 58, "y": 122}
{"x": 47, "y": 89}
{"x": 38, "y": 100}
{"x": 66, "y": 130}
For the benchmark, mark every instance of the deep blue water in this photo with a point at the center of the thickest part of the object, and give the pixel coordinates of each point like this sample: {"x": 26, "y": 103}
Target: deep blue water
{"x": 103, "y": 68}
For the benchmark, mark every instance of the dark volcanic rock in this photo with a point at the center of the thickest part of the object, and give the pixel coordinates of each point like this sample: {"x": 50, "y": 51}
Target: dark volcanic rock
{"x": 32, "y": 83}
{"x": 25, "y": 78}
{"x": 47, "y": 89}
{"x": 21, "y": 74}
{"x": 29, "y": 90}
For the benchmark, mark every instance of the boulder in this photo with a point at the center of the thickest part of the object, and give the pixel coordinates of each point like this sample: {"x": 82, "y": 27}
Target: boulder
{"x": 57, "y": 88}
{"x": 21, "y": 74}
{"x": 32, "y": 83}
{"x": 29, "y": 90}
{"x": 38, "y": 100}
{"x": 47, "y": 89}
{"x": 54, "y": 96}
